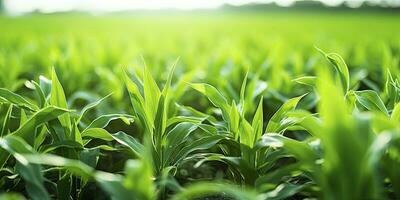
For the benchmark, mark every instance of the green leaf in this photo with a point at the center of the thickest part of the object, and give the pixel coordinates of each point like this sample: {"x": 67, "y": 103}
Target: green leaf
{"x": 257, "y": 123}
{"x": 242, "y": 93}
{"x": 23, "y": 118}
{"x": 104, "y": 120}
{"x": 371, "y": 101}
{"x": 97, "y": 133}
{"x": 90, "y": 106}
{"x": 76, "y": 134}
{"x": 6, "y": 121}
{"x": 28, "y": 129}
{"x": 165, "y": 100}
{"x": 178, "y": 135}
{"x": 235, "y": 120}
{"x": 73, "y": 166}
{"x": 341, "y": 69}
{"x": 199, "y": 144}
{"x": 345, "y": 137}
{"x": 139, "y": 170}
{"x": 396, "y": 113}
{"x": 45, "y": 85}
{"x": 112, "y": 184}
{"x": 165, "y": 90}
{"x": 277, "y": 122}
{"x": 306, "y": 80}
{"x": 31, "y": 174}
{"x": 246, "y": 133}
{"x": 214, "y": 96}
{"x": 13, "y": 98}
{"x": 65, "y": 144}
{"x": 57, "y": 98}
{"x": 39, "y": 93}
{"x": 129, "y": 142}
{"x": 300, "y": 150}
{"x": 151, "y": 96}
{"x": 137, "y": 101}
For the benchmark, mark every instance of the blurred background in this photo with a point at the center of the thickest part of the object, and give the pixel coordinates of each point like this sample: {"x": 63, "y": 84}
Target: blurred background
{"x": 214, "y": 39}
{"x": 101, "y": 6}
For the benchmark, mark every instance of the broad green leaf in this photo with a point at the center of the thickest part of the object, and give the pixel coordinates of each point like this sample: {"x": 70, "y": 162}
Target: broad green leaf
{"x": 396, "y": 113}
{"x": 246, "y": 133}
{"x": 235, "y": 120}
{"x": 191, "y": 115}
{"x": 370, "y": 100}
{"x": 112, "y": 184}
{"x": 160, "y": 123}
{"x": 346, "y": 137}
{"x": 104, "y": 120}
{"x": 97, "y": 133}
{"x": 392, "y": 89}
{"x": 57, "y": 98}
{"x": 139, "y": 170}
{"x": 6, "y": 121}
{"x": 90, "y": 156}
{"x": 65, "y": 144}
{"x": 39, "y": 93}
{"x": 137, "y": 101}
{"x": 378, "y": 147}
{"x": 341, "y": 69}
{"x": 277, "y": 124}
{"x": 242, "y": 93}
{"x": 91, "y": 106}
{"x": 76, "y": 134}
{"x": 74, "y": 166}
{"x": 303, "y": 120}
{"x": 45, "y": 85}
{"x": 151, "y": 96}
{"x": 200, "y": 144}
{"x": 179, "y": 134}
{"x": 164, "y": 101}
{"x": 28, "y": 129}
{"x": 257, "y": 123}
{"x": 23, "y": 118}
{"x": 31, "y": 174}
{"x": 306, "y": 80}
{"x": 13, "y": 98}
{"x": 214, "y": 96}
{"x": 176, "y": 136}
{"x": 298, "y": 149}
{"x": 167, "y": 86}
{"x": 129, "y": 142}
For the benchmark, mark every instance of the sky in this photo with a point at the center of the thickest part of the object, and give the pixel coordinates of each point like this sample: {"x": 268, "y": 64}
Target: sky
{"x": 48, "y": 6}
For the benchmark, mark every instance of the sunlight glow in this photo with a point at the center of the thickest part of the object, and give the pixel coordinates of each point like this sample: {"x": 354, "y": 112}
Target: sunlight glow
{"x": 47, "y": 6}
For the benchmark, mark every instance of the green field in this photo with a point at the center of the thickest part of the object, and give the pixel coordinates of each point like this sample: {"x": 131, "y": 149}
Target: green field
{"x": 200, "y": 105}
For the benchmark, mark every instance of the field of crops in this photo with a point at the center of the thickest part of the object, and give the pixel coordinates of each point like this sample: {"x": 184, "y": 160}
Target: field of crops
{"x": 204, "y": 105}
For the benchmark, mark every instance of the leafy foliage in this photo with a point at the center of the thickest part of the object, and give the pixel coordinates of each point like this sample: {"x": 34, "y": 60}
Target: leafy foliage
{"x": 243, "y": 126}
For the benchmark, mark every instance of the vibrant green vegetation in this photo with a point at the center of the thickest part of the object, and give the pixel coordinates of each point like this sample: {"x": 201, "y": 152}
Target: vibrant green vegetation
{"x": 205, "y": 106}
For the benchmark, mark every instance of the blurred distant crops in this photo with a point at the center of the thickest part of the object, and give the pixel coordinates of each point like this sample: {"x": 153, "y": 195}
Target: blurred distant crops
{"x": 208, "y": 42}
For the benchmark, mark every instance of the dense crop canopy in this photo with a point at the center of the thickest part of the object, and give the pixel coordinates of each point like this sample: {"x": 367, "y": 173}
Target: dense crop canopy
{"x": 256, "y": 113}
